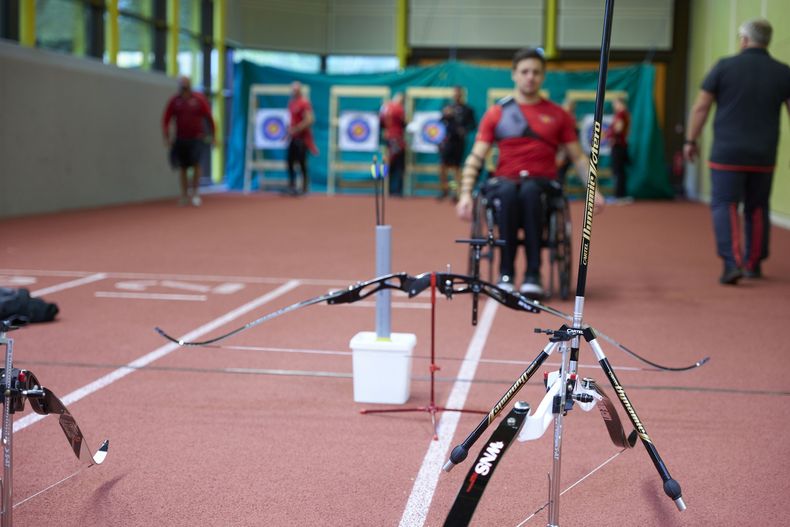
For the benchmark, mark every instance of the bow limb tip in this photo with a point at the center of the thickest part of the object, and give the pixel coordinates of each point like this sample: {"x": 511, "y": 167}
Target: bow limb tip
{"x": 168, "y": 337}
{"x": 101, "y": 454}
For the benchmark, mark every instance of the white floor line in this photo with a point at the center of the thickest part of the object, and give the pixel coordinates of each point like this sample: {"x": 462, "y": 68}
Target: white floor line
{"x": 68, "y": 285}
{"x": 395, "y": 305}
{"x": 206, "y": 278}
{"x": 427, "y": 478}
{"x": 158, "y": 353}
{"x": 150, "y": 296}
{"x": 45, "y": 272}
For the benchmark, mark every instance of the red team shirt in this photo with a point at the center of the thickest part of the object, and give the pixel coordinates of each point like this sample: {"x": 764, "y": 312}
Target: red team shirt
{"x": 548, "y": 120}
{"x": 620, "y": 138}
{"x": 393, "y": 120}
{"x": 298, "y": 109}
{"x": 190, "y": 114}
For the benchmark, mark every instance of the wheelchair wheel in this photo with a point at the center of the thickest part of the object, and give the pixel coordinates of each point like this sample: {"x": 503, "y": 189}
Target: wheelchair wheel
{"x": 560, "y": 250}
{"x": 481, "y": 223}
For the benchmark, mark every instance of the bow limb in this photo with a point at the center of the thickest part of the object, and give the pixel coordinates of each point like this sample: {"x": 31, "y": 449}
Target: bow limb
{"x": 449, "y": 283}
{"x": 352, "y": 293}
{"x": 613, "y": 342}
{"x": 44, "y": 402}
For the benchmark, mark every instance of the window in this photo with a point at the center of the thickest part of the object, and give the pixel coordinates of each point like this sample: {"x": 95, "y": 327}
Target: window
{"x": 190, "y": 57}
{"x": 348, "y": 64}
{"x": 61, "y": 25}
{"x": 302, "y": 62}
{"x": 136, "y": 40}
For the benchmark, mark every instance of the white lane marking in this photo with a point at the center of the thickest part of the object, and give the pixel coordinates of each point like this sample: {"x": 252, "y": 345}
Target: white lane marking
{"x": 427, "y": 478}
{"x": 228, "y": 288}
{"x": 103, "y": 382}
{"x": 205, "y": 278}
{"x": 41, "y": 272}
{"x": 135, "y": 285}
{"x": 68, "y": 285}
{"x": 280, "y": 350}
{"x": 17, "y": 280}
{"x": 186, "y": 286}
{"x": 399, "y": 305}
{"x": 150, "y": 296}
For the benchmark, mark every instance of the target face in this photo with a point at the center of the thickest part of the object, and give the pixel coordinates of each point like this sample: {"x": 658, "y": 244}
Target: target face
{"x": 273, "y": 128}
{"x": 433, "y": 131}
{"x": 358, "y": 130}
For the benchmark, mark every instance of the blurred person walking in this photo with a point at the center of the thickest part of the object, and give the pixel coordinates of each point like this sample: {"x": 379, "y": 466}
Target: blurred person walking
{"x": 749, "y": 89}
{"x": 191, "y": 112}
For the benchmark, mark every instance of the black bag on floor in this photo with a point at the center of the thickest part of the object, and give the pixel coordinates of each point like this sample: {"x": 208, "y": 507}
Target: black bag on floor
{"x": 19, "y": 302}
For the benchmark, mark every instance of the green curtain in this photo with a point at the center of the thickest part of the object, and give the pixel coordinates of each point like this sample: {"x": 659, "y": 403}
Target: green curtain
{"x": 648, "y": 176}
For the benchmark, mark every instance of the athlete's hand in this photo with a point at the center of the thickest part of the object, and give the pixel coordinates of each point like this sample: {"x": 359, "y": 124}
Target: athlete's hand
{"x": 599, "y": 203}
{"x": 464, "y": 207}
{"x": 690, "y": 152}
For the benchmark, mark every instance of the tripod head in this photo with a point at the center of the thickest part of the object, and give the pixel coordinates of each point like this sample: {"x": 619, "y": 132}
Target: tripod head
{"x": 477, "y": 245}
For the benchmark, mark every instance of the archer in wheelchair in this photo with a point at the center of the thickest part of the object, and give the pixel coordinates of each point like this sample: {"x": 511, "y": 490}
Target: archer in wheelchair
{"x": 524, "y": 193}
{"x": 497, "y": 197}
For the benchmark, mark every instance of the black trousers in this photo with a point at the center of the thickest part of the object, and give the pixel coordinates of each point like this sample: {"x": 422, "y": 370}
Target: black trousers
{"x": 619, "y": 162}
{"x": 518, "y": 206}
{"x": 728, "y": 190}
{"x": 297, "y": 153}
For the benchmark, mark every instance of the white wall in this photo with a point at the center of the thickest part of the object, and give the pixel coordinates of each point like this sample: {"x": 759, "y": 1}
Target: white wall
{"x": 367, "y": 27}
{"x": 637, "y": 24}
{"x": 476, "y": 23}
{"x": 354, "y": 27}
{"x": 76, "y": 133}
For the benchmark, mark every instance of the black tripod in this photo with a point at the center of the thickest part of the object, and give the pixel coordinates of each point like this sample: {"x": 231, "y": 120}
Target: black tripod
{"x": 566, "y": 387}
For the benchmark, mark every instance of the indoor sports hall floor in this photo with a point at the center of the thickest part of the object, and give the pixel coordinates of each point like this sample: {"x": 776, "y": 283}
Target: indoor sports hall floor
{"x": 262, "y": 429}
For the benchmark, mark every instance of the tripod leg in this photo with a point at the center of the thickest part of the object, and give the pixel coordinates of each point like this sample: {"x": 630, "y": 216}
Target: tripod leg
{"x": 556, "y": 465}
{"x": 671, "y": 487}
{"x": 460, "y": 452}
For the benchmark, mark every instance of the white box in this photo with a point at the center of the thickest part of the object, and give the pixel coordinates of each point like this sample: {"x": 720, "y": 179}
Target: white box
{"x": 382, "y": 368}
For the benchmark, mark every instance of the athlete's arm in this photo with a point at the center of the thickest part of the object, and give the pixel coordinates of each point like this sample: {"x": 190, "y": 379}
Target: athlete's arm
{"x": 699, "y": 114}
{"x": 472, "y": 167}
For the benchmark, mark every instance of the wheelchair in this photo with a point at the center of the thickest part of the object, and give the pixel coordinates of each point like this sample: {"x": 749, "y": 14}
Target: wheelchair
{"x": 556, "y": 235}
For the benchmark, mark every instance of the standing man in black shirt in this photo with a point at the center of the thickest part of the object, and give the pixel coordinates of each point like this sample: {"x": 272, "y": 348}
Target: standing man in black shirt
{"x": 749, "y": 90}
{"x": 459, "y": 120}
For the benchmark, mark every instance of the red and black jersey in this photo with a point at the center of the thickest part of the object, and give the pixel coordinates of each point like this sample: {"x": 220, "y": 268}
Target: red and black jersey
{"x": 190, "y": 113}
{"x": 528, "y": 136}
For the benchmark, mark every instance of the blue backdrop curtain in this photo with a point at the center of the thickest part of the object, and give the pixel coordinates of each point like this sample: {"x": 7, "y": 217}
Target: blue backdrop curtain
{"x": 648, "y": 176}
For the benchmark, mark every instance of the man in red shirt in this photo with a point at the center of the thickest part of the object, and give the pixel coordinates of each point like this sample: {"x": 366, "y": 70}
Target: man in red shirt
{"x": 301, "y": 137}
{"x": 393, "y": 122}
{"x": 618, "y": 135}
{"x": 529, "y": 130}
{"x": 190, "y": 111}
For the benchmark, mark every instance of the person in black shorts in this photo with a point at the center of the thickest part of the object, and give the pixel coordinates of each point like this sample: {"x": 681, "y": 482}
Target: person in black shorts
{"x": 458, "y": 120}
{"x": 191, "y": 113}
{"x": 749, "y": 90}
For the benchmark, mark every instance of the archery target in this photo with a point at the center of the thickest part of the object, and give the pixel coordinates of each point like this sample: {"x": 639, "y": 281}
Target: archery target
{"x": 359, "y": 131}
{"x": 271, "y": 128}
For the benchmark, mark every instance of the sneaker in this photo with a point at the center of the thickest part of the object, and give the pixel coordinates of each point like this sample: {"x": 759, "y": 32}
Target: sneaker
{"x": 731, "y": 276}
{"x": 753, "y": 272}
{"x": 183, "y": 201}
{"x": 531, "y": 287}
{"x": 196, "y": 201}
{"x": 506, "y": 283}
